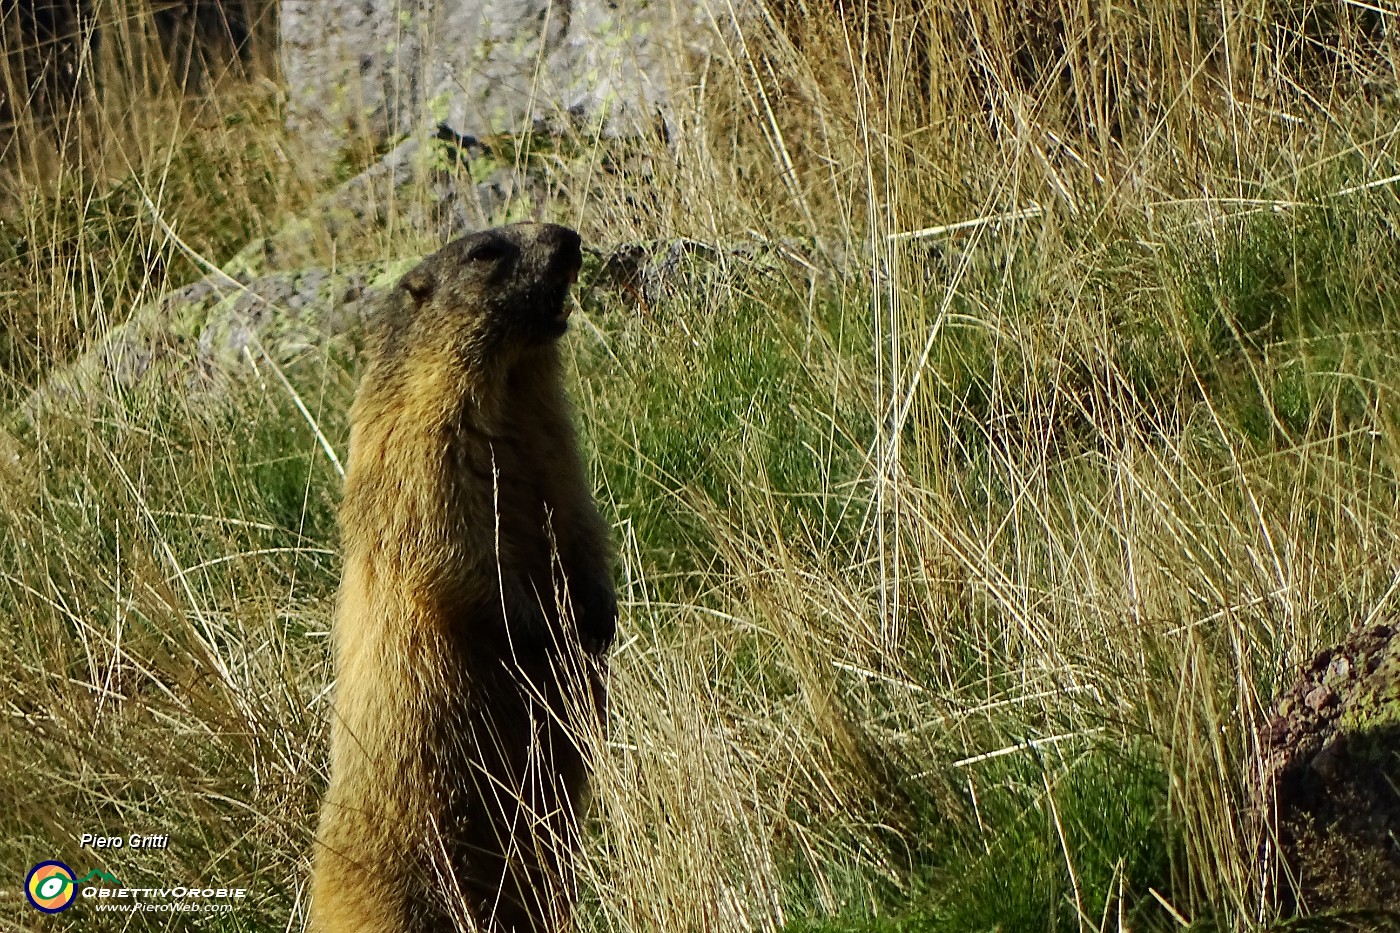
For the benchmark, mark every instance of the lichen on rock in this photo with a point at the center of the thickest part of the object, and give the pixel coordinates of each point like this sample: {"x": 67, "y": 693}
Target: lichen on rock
{"x": 192, "y": 340}
{"x": 1328, "y": 794}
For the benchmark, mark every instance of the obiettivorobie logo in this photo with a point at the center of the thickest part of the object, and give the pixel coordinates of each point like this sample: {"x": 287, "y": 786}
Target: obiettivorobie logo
{"x": 51, "y": 886}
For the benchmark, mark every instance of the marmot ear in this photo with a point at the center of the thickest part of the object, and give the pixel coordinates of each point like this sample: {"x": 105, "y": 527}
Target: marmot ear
{"x": 419, "y": 283}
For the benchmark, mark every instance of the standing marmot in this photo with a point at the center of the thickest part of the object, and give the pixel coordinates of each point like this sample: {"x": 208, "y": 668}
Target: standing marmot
{"x": 475, "y": 607}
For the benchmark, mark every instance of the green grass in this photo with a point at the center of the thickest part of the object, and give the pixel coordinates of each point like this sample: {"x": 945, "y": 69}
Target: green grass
{"x": 1088, "y": 841}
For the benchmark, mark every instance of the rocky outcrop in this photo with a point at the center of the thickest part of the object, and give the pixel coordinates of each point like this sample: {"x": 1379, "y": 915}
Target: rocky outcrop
{"x": 390, "y": 66}
{"x": 1329, "y": 789}
{"x": 425, "y": 184}
{"x": 264, "y": 310}
{"x": 193, "y": 339}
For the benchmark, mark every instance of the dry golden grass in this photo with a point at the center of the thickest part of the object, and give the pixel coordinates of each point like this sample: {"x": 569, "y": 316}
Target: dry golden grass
{"x": 960, "y": 558}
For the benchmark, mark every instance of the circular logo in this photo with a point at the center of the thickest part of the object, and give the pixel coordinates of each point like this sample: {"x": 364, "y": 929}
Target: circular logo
{"x": 50, "y": 887}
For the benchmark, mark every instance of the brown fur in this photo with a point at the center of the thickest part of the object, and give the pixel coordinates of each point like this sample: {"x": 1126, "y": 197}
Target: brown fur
{"x": 475, "y": 608}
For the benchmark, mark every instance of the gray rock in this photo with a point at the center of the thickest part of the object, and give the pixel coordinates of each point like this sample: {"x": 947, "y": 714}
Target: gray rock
{"x": 1327, "y": 791}
{"x": 247, "y": 320}
{"x": 192, "y": 340}
{"x": 408, "y": 180}
{"x": 388, "y": 67}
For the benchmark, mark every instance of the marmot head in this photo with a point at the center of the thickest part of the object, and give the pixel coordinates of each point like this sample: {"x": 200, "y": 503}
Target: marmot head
{"x": 492, "y": 294}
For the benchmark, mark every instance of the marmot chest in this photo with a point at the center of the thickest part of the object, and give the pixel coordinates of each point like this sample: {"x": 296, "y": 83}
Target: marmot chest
{"x": 517, "y": 489}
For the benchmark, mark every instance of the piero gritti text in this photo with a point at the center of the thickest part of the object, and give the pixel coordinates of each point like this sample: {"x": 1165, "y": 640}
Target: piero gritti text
{"x": 133, "y": 841}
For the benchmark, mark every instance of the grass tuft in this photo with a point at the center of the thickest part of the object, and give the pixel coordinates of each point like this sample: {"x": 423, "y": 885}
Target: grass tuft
{"x": 1018, "y": 415}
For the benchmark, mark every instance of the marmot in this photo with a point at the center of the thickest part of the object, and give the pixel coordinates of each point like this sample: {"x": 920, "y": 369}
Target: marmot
{"x": 475, "y": 608}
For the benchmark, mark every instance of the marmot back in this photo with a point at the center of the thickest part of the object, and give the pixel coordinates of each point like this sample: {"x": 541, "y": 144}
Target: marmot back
{"x": 475, "y": 607}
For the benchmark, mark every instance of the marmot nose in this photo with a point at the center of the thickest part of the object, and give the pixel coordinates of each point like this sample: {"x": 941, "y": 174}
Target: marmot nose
{"x": 564, "y": 248}
{"x": 565, "y": 244}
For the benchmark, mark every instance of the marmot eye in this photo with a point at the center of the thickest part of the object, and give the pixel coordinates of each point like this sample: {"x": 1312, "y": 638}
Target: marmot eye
{"x": 490, "y": 251}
